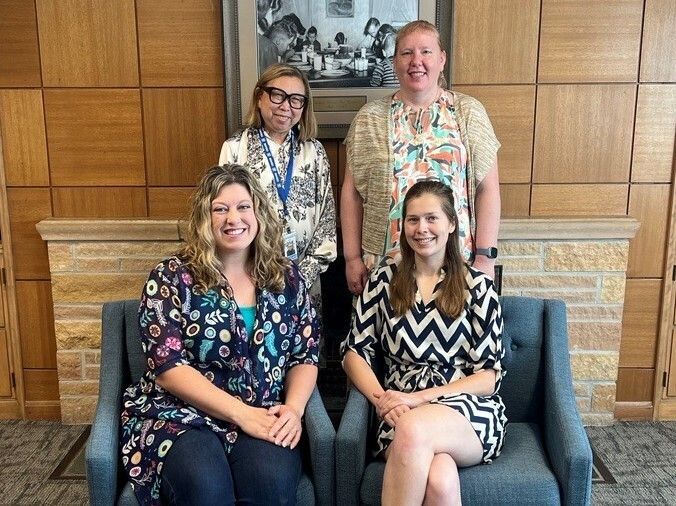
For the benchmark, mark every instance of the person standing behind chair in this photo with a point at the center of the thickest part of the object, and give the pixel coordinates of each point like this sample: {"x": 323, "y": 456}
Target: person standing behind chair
{"x": 231, "y": 343}
{"x": 278, "y": 146}
{"x": 434, "y": 324}
{"x": 421, "y": 132}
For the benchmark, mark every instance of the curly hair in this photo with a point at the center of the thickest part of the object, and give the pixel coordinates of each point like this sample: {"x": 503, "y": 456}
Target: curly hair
{"x": 307, "y": 126}
{"x": 266, "y": 263}
{"x": 451, "y": 300}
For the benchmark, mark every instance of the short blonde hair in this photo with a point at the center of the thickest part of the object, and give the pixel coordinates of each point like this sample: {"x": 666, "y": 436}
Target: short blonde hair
{"x": 307, "y": 125}
{"x": 266, "y": 263}
{"x": 421, "y": 26}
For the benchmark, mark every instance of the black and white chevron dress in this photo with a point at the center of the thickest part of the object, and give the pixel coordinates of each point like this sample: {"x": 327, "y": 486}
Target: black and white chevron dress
{"x": 424, "y": 349}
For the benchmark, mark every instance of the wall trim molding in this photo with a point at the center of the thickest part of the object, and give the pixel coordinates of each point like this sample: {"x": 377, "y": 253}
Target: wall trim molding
{"x": 68, "y": 229}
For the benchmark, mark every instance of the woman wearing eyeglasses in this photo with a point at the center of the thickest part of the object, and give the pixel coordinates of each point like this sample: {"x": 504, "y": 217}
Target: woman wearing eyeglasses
{"x": 278, "y": 145}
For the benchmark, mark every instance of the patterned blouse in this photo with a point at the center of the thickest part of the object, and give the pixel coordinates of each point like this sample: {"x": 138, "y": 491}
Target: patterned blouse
{"x": 180, "y": 327}
{"x": 427, "y": 145}
{"x": 312, "y": 211}
{"x": 424, "y": 349}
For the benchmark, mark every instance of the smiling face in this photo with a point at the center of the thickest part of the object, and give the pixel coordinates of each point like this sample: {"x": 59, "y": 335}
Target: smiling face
{"x": 427, "y": 228}
{"x": 233, "y": 220}
{"x": 278, "y": 119}
{"x": 419, "y": 61}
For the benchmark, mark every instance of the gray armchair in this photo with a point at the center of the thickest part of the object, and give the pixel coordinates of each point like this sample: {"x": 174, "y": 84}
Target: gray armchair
{"x": 123, "y": 361}
{"x": 546, "y": 458}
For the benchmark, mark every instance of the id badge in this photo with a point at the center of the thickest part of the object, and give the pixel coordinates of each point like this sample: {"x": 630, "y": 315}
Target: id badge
{"x": 290, "y": 246}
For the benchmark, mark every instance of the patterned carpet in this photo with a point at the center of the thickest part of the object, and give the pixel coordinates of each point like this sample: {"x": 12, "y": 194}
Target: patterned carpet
{"x": 641, "y": 457}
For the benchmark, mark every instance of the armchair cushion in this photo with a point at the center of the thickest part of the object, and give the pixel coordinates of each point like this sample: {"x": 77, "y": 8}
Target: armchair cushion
{"x": 521, "y": 475}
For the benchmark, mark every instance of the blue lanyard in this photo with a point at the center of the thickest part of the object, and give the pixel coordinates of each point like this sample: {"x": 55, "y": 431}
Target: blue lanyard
{"x": 282, "y": 189}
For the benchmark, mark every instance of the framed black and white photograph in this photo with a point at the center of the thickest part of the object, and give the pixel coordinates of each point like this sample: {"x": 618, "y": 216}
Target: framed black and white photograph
{"x": 339, "y": 45}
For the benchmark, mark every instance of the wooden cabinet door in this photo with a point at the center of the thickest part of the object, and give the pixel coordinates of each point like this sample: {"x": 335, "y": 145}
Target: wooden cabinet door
{"x": 3, "y": 304}
{"x": 5, "y": 380}
{"x": 671, "y": 386}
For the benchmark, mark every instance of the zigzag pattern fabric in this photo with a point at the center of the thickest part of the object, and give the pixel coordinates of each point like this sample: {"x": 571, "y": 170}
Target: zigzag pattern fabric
{"x": 423, "y": 349}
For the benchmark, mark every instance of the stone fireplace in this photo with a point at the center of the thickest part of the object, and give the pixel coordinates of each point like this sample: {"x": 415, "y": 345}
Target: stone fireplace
{"x": 581, "y": 261}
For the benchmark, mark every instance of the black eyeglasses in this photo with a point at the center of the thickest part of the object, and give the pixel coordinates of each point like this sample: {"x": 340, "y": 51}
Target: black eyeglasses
{"x": 277, "y": 96}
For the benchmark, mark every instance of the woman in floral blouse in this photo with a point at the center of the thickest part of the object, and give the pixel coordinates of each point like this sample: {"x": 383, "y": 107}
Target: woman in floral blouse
{"x": 231, "y": 342}
{"x": 279, "y": 147}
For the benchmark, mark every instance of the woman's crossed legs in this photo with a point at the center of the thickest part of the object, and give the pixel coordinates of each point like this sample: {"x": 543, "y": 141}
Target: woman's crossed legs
{"x": 430, "y": 443}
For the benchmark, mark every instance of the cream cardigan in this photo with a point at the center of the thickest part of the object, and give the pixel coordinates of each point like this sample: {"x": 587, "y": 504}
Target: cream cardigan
{"x": 369, "y": 159}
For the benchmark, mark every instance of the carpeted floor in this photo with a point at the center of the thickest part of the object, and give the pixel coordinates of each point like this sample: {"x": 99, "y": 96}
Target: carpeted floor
{"x": 641, "y": 457}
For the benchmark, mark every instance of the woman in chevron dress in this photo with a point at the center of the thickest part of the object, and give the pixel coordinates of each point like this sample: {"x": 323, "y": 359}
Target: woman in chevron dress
{"x": 434, "y": 325}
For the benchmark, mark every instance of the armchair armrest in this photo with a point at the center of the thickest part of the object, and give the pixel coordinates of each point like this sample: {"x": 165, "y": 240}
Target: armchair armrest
{"x": 565, "y": 438}
{"x": 102, "y": 452}
{"x": 321, "y": 439}
{"x": 351, "y": 448}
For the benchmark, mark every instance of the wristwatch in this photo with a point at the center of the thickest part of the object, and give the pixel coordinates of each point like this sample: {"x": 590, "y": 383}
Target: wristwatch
{"x": 487, "y": 252}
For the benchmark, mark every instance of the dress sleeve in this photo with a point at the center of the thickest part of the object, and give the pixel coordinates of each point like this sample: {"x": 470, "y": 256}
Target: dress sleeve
{"x": 486, "y": 314}
{"x": 160, "y": 319}
{"x": 367, "y": 321}
{"x": 306, "y": 341}
{"x": 321, "y": 250}
{"x": 228, "y": 152}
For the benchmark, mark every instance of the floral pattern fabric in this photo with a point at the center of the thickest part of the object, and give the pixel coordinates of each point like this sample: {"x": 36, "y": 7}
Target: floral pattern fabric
{"x": 180, "y": 327}
{"x": 427, "y": 145}
{"x": 310, "y": 204}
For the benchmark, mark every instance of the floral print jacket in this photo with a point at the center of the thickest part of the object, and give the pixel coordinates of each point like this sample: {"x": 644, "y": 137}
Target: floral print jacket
{"x": 181, "y": 327}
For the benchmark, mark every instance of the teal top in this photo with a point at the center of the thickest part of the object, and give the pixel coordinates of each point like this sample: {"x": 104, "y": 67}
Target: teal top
{"x": 249, "y": 315}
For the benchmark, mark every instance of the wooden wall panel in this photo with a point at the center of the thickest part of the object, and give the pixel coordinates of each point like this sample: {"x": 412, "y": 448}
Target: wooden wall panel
{"x": 331, "y": 147}
{"x": 19, "y": 52}
{"x": 180, "y": 43}
{"x": 22, "y": 127}
{"x": 95, "y": 137}
{"x": 635, "y": 385}
{"x": 511, "y": 110}
{"x": 41, "y": 384}
{"x": 583, "y": 133}
{"x": 649, "y": 204}
{"x": 640, "y": 322}
{"x": 169, "y": 202}
{"x": 184, "y": 131}
{"x": 654, "y": 133}
{"x": 27, "y": 206}
{"x": 515, "y": 199}
{"x": 579, "y": 200}
{"x": 36, "y": 324}
{"x": 88, "y": 42}
{"x": 486, "y": 47}
{"x": 100, "y": 202}
{"x": 582, "y": 41}
{"x": 658, "y": 52}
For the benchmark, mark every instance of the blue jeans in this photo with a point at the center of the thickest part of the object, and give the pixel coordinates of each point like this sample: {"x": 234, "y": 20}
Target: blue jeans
{"x": 198, "y": 471}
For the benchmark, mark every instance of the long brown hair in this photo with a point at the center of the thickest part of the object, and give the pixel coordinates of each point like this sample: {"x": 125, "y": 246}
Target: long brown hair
{"x": 451, "y": 299}
{"x": 266, "y": 262}
{"x": 421, "y": 26}
{"x": 307, "y": 126}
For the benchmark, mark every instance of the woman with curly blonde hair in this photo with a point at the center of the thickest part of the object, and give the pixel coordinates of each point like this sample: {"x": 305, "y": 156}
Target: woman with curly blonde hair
{"x": 231, "y": 343}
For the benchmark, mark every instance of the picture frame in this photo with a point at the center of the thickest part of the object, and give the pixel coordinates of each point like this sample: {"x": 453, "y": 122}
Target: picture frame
{"x": 334, "y": 107}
